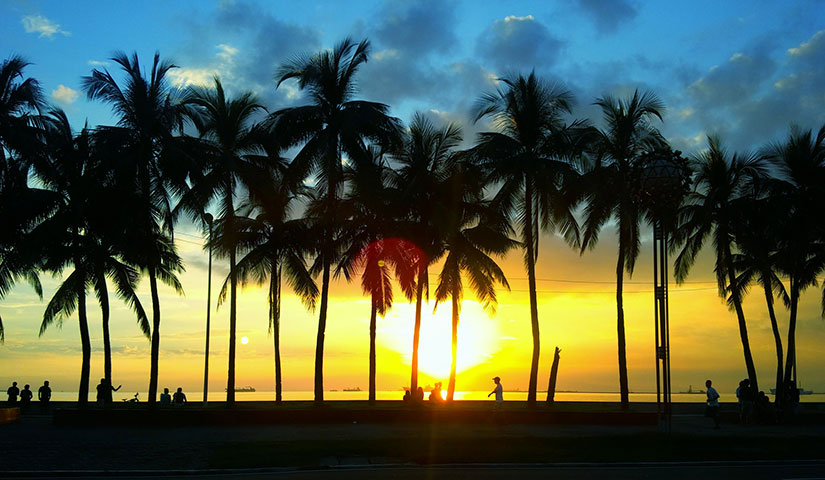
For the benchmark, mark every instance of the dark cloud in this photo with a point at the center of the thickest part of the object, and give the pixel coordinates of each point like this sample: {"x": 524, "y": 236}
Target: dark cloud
{"x": 518, "y": 43}
{"x": 417, "y": 28}
{"x": 735, "y": 81}
{"x": 608, "y": 15}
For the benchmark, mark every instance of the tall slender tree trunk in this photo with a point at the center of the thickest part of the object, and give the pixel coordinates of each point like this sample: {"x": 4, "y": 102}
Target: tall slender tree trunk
{"x": 233, "y": 323}
{"x": 740, "y": 315}
{"x": 624, "y": 389}
{"x": 790, "y": 363}
{"x": 155, "y": 348}
{"x": 275, "y": 325}
{"x": 777, "y": 340}
{"x": 419, "y": 299}
{"x": 373, "y": 315}
{"x": 454, "y": 346}
{"x": 86, "y": 346}
{"x": 322, "y": 326}
{"x": 530, "y": 256}
{"x": 107, "y": 343}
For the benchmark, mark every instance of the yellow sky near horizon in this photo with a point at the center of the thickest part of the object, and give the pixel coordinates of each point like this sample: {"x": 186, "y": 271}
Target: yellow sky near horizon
{"x": 576, "y": 307}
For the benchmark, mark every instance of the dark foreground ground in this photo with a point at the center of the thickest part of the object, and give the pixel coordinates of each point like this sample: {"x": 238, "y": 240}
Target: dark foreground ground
{"x": 36, "y": 443}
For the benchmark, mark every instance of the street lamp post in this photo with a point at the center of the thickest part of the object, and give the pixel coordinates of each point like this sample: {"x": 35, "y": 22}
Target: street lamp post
{"x": 208, "y": 219}
{"x": 665, "y": 177}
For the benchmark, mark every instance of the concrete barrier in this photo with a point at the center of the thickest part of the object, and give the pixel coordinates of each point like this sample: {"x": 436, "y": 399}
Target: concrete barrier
{"x": 9, "y": 415}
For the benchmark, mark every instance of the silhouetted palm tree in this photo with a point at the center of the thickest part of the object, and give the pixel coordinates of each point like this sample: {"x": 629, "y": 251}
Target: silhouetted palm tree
{"x": 612, "y": 191}
{"x": 470, "y": 232}
{"x": 530, "y": 158}
{"x": 715, "y": 209}
{"x": 332, "y": 126}
{"x": 422, "y": 165}
{"x": 146, "y": 151}
{"x": 225, "y": 127}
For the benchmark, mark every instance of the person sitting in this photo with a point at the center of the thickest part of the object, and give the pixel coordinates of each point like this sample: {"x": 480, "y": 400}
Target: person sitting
{"x": 407, "y": 396}
{"x": 25, "y": 398}
{"x": 179, "y": 398}
{"x": 435, "y": 394}
{"x": 419, "y": 394}
{"x": 165, "y": 398}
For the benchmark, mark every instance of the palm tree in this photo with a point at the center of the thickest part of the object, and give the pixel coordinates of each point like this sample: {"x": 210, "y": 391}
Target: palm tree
{"x": 20, "y": 103}
{"x": 422, "y": 165}
{"x": 799, "y": 163}
{"x": 714, "y": 208}
{"x": 225, "y": 128}
{"x": 331, "y": 127}
{"x": 471, "y": 232}
{"x": 530, "y": 158}
{"x": 146, "y": 151}
{"x": 612, "y": 191}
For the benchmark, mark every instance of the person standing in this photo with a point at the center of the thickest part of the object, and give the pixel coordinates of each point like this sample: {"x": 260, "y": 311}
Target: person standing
{"x": 498, "y": 391}
{"x": 44, "y": 395}
{"x": 712, "y": 410}
{"x": 13, "y": 392}
{"x": 104, "y": 392}
{"x": 25, "y": 398}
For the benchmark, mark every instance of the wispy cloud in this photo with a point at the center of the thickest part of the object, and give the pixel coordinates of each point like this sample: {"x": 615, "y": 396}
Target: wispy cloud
{"x": 97, "y": 63}
{"x": 42, "y": 25}
{"x": 64, "y": 94}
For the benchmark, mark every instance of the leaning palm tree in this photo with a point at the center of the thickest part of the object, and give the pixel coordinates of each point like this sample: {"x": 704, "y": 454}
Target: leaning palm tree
{"x": 331, "y": 127}
{"x": 471, "y": 232}
{"x": 530, "y": 156}
{"x": 144, "y": 145}
{"x": 225, "y": 128}
{"x": 612, "y": 191}
{"x": 422, "y": 163}
{"x": 799, "y": 163}
{"x": 714, "y": 209}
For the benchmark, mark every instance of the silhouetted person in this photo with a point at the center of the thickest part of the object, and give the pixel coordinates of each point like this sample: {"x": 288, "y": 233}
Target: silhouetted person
{"x": 744, "y": 393}
{"x": 407, "y": 396}
{"x": 179, "y": 398}
{"x": 44, "y": 395}
{"x": 104, "y": 392}
{"x": 165, "y": 398}
{"x": 13, "y": 392}
{"x": 435, "y": 394}
{"x": 419, "y": 394}
{"x": 498, "y": 391}
{"x": 712, "y": 410}
{"x": 25, "y": 398}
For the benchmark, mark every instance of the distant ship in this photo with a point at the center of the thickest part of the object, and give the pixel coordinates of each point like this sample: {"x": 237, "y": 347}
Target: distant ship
{"x": 243, "y": 389}
{"x": 802, "y": 391}
{"x": 691, "y": 391}
{"x": 356, "y": 389}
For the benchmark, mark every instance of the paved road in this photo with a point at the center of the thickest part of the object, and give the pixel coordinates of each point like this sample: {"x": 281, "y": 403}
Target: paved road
{"x": 749, "y": 471}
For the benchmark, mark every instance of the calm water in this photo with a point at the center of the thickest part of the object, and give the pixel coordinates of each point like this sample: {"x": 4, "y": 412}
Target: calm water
{"x": 398, "y": 394}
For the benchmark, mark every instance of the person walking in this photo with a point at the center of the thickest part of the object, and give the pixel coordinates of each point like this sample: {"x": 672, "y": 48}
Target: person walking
{"x": 712, "y": 410}
{"x": 44, "y": 395}
{"x": 13, "y": 392}
{"x": 25, "y": 398}
{"x": 498, "y": 391}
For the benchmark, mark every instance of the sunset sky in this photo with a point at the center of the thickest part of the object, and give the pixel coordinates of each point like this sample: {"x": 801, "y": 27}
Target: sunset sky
{"x": 743, "y": 70}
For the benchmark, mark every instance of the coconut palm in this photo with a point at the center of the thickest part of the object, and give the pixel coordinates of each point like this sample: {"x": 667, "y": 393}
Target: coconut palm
{"x": 225, "y": 128}
{"x": 799, "y": 163}
{"x": 715, "y": 209}
{"x": 471, "y": 231}
{"x": 146, "y": 153}
{"x": 612, "y": 191}
{"x": 422, "y": 164}
{"x": 530, "y": 158}
{"x": 331, "y": 127}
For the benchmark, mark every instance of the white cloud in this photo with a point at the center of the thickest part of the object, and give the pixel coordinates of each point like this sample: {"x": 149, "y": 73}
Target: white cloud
{"x": 42, "y": 25}
{"x": 97, "y": 63}
{"x": 226, "y": 53}
{"x": 64, "y": 94}
{"x": 184, "y": 77}
{"x": 809, "y": 46}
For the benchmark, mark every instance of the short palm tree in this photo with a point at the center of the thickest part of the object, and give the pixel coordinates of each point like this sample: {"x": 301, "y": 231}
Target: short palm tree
{"x": 530, "y": 157}
{"x": 612, "y": 192}
{"x": 331, "y": 127}
{"x": 715, "y": 209}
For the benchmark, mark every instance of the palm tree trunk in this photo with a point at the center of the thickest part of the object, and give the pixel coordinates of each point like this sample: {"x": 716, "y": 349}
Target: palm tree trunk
{"x": 275, "y": 325}
{"x": 740, "y": 315}
{"x": 322, "y": 326}
{"x": 419, "y": 299}
{"x": 107, "y": 343}
{"x": 86, "y": 346}
{"x": 790, "y": 362}
{"x": 531, "y": 280}
{"x": 373, "y": 315}
{"x": 624, "y": 389}
{"x": 233, "y": 285}
{"x": 155, "y": 348}
{"x": 454, "y": 345}
{"x": 777, "y": 340}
